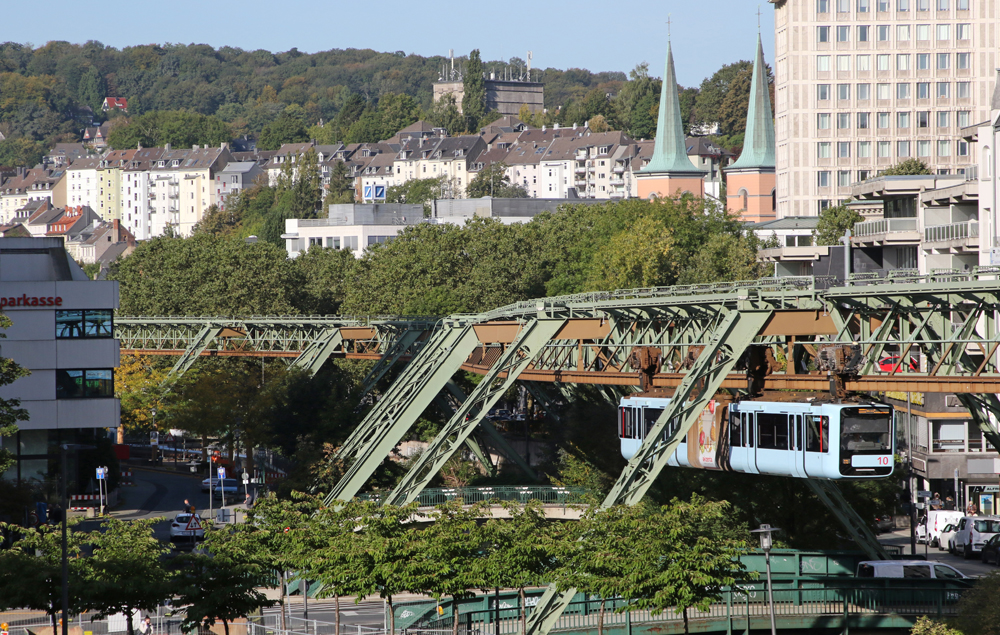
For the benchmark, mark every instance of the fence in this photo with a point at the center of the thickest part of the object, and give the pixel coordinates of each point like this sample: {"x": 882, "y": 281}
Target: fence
{"x": 952, "y": 231}
{"x": 548, "y": 495}
{"x": 885, "y": 226}
{"x": 270, "y": 624}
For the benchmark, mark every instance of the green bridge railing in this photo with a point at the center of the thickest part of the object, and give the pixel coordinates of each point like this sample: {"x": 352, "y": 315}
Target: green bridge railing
{"x": 546, "y": 494}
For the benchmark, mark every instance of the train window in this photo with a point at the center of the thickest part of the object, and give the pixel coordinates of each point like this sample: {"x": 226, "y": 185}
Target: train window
{"x": 797, "y": 432}
{"x": 626, "y": 427}
{"x": 865, "y": 430}
{"x": 650, "y": 415}
{"x": 817, "y": 433}
{"x": 735, "y": 431}
{"x": 772, "y": 431}
{"x": 748, "y": 429}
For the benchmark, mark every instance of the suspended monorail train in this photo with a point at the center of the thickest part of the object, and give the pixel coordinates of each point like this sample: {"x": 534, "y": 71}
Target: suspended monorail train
{"x": 803, "y": 440}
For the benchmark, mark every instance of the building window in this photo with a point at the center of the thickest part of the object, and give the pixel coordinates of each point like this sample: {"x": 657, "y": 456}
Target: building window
{"x": 823, "y": 178}
{"x": 882, "y": 33}
{"x": 963, "y": 90}
{"x": 863, "y": 33}
{"x": 843, "y": 63}
{"x": 823, "y": 121}
{"x": 962, "y": 5}
{"x": 843, "y": 120}
{"x": 944, "y": 119}
{"x": 962, "y": 118}
{"x": 943, "y": 61}
{"x": 864, "y": 92}
{"x": 882, "y": 62}
{"x": 843, "y": 92}
{"x": 902, "y": 62}
{"x": 923, "y": 148}
{"x": 902, "y": 91}
{"x": 903, "y": 32}
{"x": 902, "y": 120}
{"x": 943, "y": 90}
{"x": 863, "y": 175}
{"x": 843, "y": 6}
{"x": 822, "y": 92}
{"x": 944, "y": 148}
{"x": 333, "y": 242}
{"x": 902, "y": 148}
{"x": 884, "y": 91}
{"x": 843, "y": 178}
{"x": 843, "y": 34}
{"x": 963, "y": 61}
{"x": 942, "y": 5}
{"x": 864, "y": 62}
{"x": 863, "y": 6}
{"x": 822, "y": 63}
{"x": 923, "y": 90}
{"x": 822, "y": 34}
{"x": 962, "y": 149}
{"x": 943, "y": 32}
{"x": 83, "y": 383}
{"x": 823, "y": 149}
{"x": 843, "y": 149}
{"x": 883, "y": 5}
{"x": 923, "y": 5}
{"x": 824, "y": 205}
{"x": 822, "y": 6}
{"x": 864, "y": 150}
{"x": 883, "y": 149}
{"x": 864, "y": 120}
{"x": 963, "y": 31}
{"x": 81, "y": 324}
{"x": 923, "y": 61}
{"x": 923, "y": 119}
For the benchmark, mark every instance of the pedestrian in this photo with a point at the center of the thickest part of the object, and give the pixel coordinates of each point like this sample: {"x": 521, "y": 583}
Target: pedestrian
{"x": 936, "y": 501}
{"x": 970, "y": 510}
{"x": 188, "y": 507}
{"x": 146, "y": 627}
{"x": 949, "y": 503}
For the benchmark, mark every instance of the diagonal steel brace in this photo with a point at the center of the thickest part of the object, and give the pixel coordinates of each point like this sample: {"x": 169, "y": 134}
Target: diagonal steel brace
{"x": 318, "y": 351}
{"x": 195, "y": 349}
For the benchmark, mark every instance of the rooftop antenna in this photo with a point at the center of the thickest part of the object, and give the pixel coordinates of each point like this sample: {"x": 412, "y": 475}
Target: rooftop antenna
{"x": 451, "y": 55}
{"x": 529, "y": 65}
{"x": 668, "y": 27}
{"x": 758, "y": 18}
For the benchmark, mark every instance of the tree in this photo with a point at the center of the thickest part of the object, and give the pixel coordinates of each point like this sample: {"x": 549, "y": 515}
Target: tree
{"x": 517, "y": 551}
{"x": 637, "y": 257}
{"x": 494, "y": 181}
{"x": 306, "y": 187}
{"x": 179, "y": 128}
{"x": 927, "y": 626}
{"x": 10, "y": 409}
{"x": 444, "y": 114}
{"x": 284, "y": 129}
{"x": 416, "y": 191}
{"x": 909, "y": 167}
{"x": 141, "y": 386}
{"x": 708, "y": 104}
{"x": 978, "y": 610}
{"x": 327, "y": 275}
{"x": 92, "y": 89}
{"x": 598, "y": 124}
{"x": 634, "y": 102}
{"x": 125, "y": 573}
{"x": 341, "y": 188}
{"x": 833, "y": 222}
{"x": 21, "y": 151}
{"x": 474, "y": 97}
{"x": 725, "y": 258}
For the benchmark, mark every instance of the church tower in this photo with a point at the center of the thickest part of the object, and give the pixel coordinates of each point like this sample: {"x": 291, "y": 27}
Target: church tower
{"x": 670, "y": 171}
{"x": 750, "y": 182}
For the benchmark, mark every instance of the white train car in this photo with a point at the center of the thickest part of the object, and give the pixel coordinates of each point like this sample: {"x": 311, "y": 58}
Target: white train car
{"x": 802, "y": 440}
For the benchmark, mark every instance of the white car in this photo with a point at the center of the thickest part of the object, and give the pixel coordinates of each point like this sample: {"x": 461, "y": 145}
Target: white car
{"x": 187, "y": 528}
{"x": 946, "y": 542}
{"x": 209, "y": 483}
{"x": 973, "y": 532}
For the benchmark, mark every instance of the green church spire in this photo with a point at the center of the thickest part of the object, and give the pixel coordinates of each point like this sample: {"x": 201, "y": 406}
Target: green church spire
{"x": 758, "y": 142}
{"x": 669, "y": 147}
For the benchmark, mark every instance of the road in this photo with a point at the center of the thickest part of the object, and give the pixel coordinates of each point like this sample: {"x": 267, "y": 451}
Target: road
{"x": 972, "y": 568}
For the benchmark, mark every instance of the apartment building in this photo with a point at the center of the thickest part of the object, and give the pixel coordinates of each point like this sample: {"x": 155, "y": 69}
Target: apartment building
{"x": 135, "y": 190}
{"x": 451, "y": 157}
{"x": 864, "y": 84}
{"x": 83, "y": 185}
{"x": 109, "y": 183}
{"x": 33, "y": 184}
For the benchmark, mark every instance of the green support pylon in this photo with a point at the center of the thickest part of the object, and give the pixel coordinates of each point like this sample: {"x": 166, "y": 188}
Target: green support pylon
{"x": 532, "y": 337}
{"x": 728, "y": 339}
{"x": 403, "y": 403}
{"x": 318, "y": 351}
{"x": 200, "y": 342}
{"x": 399, "y": 346}
{"x": 830, "y": 494}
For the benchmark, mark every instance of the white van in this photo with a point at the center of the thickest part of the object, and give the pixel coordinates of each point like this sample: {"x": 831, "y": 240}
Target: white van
{"x": 973, "y": 532}
{"x": 934, "y": 523}
{"x": 909, "y": 569}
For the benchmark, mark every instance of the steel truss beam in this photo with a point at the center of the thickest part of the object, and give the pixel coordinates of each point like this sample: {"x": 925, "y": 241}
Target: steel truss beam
{"x": 318, "y": 351}
{"x": 402, "y": 404}
{"x": 401, "y": 345}
{"x": 198, "y": 344}
{"x": 533, "y": 336}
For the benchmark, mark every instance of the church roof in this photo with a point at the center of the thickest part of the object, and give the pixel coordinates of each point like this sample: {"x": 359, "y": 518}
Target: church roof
{"x": 669, "y": 148}
{"x": 758, "y": 142}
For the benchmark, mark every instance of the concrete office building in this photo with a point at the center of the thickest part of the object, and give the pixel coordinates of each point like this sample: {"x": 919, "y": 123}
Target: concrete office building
{"x": 63, "y": 333}
{"x": 864, "y": 84}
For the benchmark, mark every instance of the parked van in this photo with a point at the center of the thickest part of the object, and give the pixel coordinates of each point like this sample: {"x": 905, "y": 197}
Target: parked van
{"x": 909, "y": 569}
{"x": 973, "y": 532}
{"x": 934, "y": 523}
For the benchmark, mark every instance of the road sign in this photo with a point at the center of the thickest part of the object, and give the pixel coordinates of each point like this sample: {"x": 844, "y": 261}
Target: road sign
{"x": 102, "y": 473}
{"x": 923, "y": 494}
{"x": 193, "y": 524}
{"x": 246, "y": 477}
{"x": 222, "y": 472}
{"x": 154, "y": 438}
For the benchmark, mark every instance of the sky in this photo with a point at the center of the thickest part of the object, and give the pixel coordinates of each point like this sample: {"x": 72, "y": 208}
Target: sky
{"x": 591, "y": 34}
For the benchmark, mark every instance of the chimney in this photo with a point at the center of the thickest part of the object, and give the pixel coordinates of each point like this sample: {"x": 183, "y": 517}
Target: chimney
{"x": 555, "y": 126}
{"x": 194, "y": 147}
{"x": 543, "y": 128}
{"x": 166, "y": 147}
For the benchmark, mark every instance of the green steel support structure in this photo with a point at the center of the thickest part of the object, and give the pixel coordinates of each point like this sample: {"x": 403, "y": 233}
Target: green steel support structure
{"x": 318, "y": 351}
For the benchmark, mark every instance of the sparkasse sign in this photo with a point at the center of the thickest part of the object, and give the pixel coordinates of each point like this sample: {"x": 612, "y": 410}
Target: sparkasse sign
{"x": 28, "y": 300}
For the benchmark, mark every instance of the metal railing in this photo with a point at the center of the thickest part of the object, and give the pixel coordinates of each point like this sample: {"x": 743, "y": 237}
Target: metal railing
{"x": 549, "y": 495}
{"x": 884, "y": 226}
{"x": 952, "y": 231}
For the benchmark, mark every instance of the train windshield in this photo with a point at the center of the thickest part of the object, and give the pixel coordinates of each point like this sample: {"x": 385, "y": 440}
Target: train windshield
{"x": 866, "y": 430}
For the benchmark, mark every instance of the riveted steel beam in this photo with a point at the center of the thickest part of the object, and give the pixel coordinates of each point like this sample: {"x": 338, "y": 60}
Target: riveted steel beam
{"x": 194, "y": 349}
{"x": 318, "y": 351}
{"x": 399, "y": 346}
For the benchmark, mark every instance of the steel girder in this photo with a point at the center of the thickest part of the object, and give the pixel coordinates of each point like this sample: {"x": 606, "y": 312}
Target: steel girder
{"x": 403, "y": 403}
{"x": 532, "y": 337}
{"x": 830, "y": 494}
{"x": 198, "y": 344}
{"x": 318, "y": 351}
{"x": 403, "y": 343}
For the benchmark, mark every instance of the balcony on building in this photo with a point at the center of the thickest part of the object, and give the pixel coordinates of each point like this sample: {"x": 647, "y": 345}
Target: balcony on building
{"x": 951, "y": 225}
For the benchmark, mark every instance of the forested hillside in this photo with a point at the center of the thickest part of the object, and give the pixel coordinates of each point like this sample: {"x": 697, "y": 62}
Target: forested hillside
{"x": 283, "y": 96}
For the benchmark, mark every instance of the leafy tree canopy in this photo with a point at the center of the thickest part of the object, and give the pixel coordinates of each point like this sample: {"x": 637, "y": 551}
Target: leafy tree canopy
{"x": 833, "y": 222}
{"x": 909, "y": 167}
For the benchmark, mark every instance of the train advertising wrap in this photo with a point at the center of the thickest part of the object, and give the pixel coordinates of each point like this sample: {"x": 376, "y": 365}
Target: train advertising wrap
{"x": 703, "y": 438}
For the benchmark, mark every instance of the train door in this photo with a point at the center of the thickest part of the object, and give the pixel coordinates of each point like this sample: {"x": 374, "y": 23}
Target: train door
{"x": 749, "y": 442}
{"x": 797, "y": 444}
{"x": 737, "y": 451}
{"x": 817, "y": 445}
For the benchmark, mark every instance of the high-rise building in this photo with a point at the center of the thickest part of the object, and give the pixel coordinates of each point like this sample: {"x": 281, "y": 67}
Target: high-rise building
{"x": 864, "y": 84}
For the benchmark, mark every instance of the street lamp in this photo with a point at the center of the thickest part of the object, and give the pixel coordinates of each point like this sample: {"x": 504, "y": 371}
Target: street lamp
{"x": 152, "y": 450}
{"x": 64, "y": 448}
{"x": 765, "y": 532}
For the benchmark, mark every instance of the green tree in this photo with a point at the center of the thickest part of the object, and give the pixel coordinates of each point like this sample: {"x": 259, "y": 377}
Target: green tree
{"x": 284, "y": 129}
{"x": 712, "y": 94}
{"x": 179, "y": 128}
{"x": 444, "y": 114}
{"x": 493, "y": 181}
{"x": 327, "y": 275}
{"x": 927, "y": 626}
{"x": 474, "y": 97}
{"x": 724, "y": 258}
{"x": 978, "y": 610}
{"x": 125, "y": 573}
{"x": 341, "y": 189}
{"x": 416, "y": 191}
{"x": 833, "y": 222}
{"x": 635, "y": 101}
{"x": 17, "y": 151}
{"x": 306, "y": 188}
{"x": 92, "y": 89}
{"x": 598, "y": 124}
{"x": 10, "y": 409}
{"x": 909, "y": 167}
{"x": 451, "y": 545}
{"x": 637, "y": 257}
